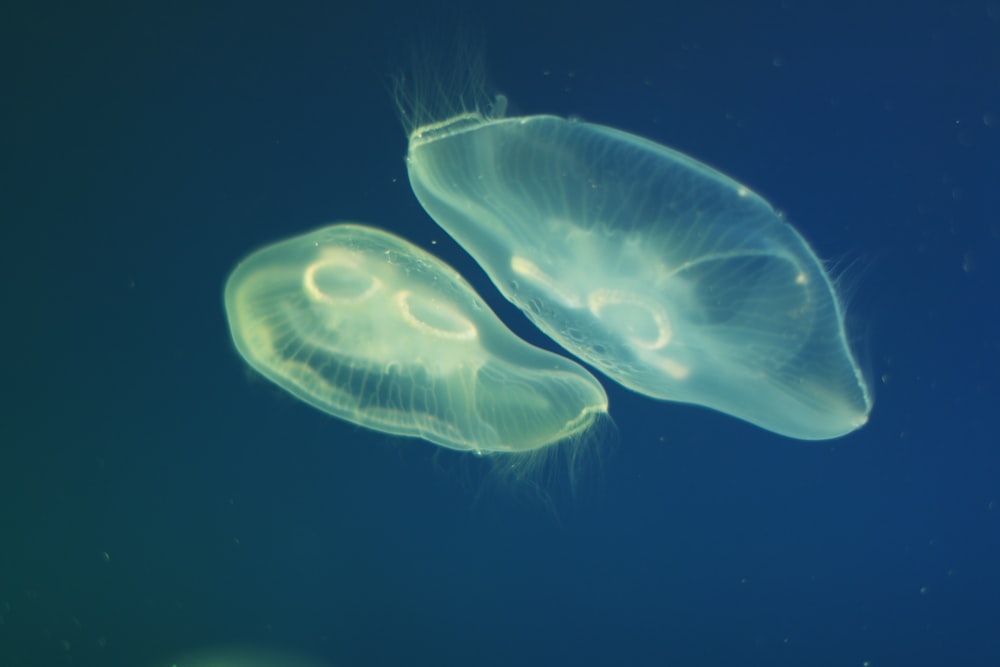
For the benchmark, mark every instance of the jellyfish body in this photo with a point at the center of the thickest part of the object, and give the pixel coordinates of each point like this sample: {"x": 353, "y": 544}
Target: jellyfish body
{"x": 669, "y": 277}
{"x": 369, "y": 328}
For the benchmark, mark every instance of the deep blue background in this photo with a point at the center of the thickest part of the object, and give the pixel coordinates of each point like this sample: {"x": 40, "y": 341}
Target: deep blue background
{"x": 156, "y": 497}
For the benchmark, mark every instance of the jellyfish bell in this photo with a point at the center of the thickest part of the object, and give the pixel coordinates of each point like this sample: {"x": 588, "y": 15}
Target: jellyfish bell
{"x": 669, "y": 277}
{"x": 369, "y": 328}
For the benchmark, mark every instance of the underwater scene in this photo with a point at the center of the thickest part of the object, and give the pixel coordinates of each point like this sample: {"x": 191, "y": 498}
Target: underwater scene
{"x": 364, "y": 335}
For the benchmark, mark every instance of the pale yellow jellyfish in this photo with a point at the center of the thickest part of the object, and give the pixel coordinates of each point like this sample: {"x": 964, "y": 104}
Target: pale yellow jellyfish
{"x": 671, "y": 278}
{"x": 369, "y": 328}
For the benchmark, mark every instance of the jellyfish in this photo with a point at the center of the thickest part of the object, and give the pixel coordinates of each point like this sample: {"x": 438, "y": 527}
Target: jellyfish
{"x": 370, "y": 329}
{"x": 669, "y": 277}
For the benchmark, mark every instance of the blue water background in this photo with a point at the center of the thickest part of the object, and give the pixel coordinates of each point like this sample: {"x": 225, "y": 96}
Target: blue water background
{"x": 159, "y": 499}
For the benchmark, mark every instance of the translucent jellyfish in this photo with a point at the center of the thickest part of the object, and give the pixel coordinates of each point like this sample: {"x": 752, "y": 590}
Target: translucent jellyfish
{"x": 671, "y": 278}
{"x": 369, "y": 328}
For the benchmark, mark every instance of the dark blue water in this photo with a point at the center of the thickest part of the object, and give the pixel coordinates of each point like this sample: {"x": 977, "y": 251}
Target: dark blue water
{"x": 159, "y": 500}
